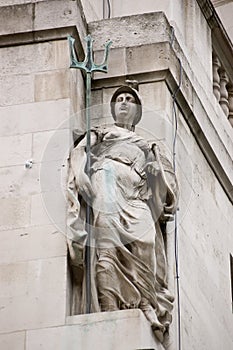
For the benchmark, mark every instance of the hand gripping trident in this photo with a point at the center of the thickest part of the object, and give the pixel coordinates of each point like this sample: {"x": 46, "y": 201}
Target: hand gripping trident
{"x": 88, "y": 66}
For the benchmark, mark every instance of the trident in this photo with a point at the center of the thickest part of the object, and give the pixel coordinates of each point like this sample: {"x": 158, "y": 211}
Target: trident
{"x": 88, "y": 66}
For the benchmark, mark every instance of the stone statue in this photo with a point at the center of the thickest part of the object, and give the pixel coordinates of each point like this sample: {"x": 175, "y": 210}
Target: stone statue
{"x": 133, "y": 193}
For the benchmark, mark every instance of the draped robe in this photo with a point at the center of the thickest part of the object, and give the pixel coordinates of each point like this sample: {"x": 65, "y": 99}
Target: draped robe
{"x": 131, "y": 203}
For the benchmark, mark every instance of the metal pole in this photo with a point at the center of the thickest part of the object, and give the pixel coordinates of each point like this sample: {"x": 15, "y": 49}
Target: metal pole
{"x": 88, "y": 66}
{"x": 88, "y": 209}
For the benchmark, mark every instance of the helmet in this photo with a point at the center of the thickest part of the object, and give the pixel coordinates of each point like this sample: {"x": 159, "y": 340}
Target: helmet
{"x": 134, "y": 93}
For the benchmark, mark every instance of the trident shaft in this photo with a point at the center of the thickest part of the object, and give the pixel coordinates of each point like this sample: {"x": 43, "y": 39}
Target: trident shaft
{"x": 88, "y": 66}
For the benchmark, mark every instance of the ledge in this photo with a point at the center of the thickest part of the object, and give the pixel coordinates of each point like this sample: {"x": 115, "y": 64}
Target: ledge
{"x": 118, "y": 330}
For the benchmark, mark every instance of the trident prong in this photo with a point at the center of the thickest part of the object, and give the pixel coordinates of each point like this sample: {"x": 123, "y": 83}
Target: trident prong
{"x": 88, "y": 64}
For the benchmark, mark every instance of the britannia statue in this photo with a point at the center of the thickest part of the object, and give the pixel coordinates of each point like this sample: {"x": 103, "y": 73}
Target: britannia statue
{"x": 131, "y": 191}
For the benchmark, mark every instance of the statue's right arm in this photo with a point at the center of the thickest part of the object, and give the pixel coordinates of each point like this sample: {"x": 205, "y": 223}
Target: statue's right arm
{"x": 78, "y": 161}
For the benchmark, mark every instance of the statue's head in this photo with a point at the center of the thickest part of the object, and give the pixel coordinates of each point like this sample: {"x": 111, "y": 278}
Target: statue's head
{"x": 126, "y": 103}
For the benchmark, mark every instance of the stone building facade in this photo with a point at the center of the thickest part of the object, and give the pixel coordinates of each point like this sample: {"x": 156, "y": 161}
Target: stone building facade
{"x": 181, "y": 55}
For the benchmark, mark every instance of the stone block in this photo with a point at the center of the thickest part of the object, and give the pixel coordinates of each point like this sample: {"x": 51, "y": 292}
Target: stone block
{"x": 52, "y": 86}
{"x": 107, "y": 94}
{"x": 92, "y": 10}
{"x": 40, "y": 57}
{"x": 97, "y": 97}
{"x": 17, "y": 149}
{"x": 138, "y": 58}
{"x": 39, "y": 214}
{"x": 16, "y": 89}
{"x": 106, "y": 117}
{"x": 223, "y": 12}
{"x": 216, "y": 143}
{"x": 9, "y": 19}
{"x": 17, "y": 181}
{"x": 12, "y": 341}
{"x": 156, "y": 127}
{"x": 77, "y": 91}
{"x": 61, "y": 54}
{"x": 34, "y": 17}
{"x": 51, "y": 145}
{"x": 198, "y": 41}
{"x": 132, "y": 7}
{"x": 212, "y": 335}
{"x": 34, "y": 117}
{"x": 116, "y": 65}
{"x": 49, "y": 208}
{"x": 119, "y": 330}
{"x": 33, "y": 294}
{"x": 53, "y": 176}
{"x": 62, "y": 12}
{"x": 14, "y": 212}
{"x": 30, "y": 243}
{"x": 157, "y": 109}
{"x": 135, "y": 30}
{"x": 156, "y": 96}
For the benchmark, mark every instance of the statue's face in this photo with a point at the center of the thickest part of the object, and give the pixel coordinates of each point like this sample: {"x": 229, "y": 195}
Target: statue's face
{"x": 125, "y": 109}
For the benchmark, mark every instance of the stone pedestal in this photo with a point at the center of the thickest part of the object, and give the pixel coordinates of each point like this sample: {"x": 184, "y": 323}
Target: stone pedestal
{"x": 119, "y": 330}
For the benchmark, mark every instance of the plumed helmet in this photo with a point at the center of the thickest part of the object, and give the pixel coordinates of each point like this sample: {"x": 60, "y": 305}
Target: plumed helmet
{"x": 134, "y": 93}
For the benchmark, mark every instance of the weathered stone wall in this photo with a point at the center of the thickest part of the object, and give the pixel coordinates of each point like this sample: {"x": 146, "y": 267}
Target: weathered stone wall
{"x": 40, "y": 100}
{"x": 35, "y": 107}
{"x": 205, "y": 244}
{"x": 204, "y": 141}
{"x": 39, "y": 94}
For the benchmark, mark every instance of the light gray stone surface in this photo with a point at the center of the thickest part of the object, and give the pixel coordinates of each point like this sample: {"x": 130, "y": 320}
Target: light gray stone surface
{"x": 21, "y": 143}
{"x": 26, "y": 118}
{"x": 16, "y": 89}
{"x": 135, "y": 31}
{"x": 33, "y": 294}
{"x": 51, "y": 145}
{"x": 52, "y": 86}
{"x": 224, "y": 10}
{"x": 40, "y": 15}
{"x": 14, "y": 212}
{"x": 40, "y": 57}
{"x": 43, "y": 241}
{"x": 35, "y": 117}
{"x": 205, "y": 215}
{"x": 12, "y": 341}
{"x": 122, "y": 330}
{"x": 205, "y": 282}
